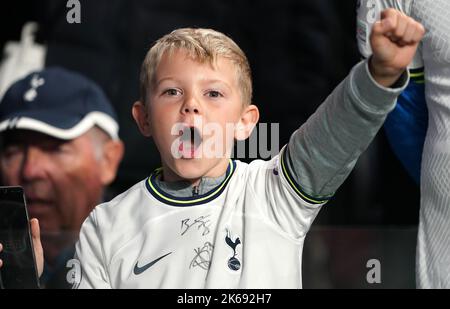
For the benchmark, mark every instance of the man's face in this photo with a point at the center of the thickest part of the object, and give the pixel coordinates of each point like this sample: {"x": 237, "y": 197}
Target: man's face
{"x": 60, "y": 178}
{"x": 194, "y": 95}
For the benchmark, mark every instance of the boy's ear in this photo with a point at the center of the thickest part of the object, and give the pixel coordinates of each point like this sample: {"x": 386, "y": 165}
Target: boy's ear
{"x": 140, "y": 115}
{"x": 247, "y": 123}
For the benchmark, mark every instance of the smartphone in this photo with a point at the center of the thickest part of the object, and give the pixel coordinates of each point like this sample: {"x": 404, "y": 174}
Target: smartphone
{"x": 19, "y": 269}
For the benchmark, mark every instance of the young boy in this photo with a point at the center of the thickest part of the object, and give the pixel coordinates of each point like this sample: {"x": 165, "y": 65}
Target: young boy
{"x": 205, "y": 221}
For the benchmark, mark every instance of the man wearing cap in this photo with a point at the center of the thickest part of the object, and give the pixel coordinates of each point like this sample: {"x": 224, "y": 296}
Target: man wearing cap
{"x": 60, "y": 143}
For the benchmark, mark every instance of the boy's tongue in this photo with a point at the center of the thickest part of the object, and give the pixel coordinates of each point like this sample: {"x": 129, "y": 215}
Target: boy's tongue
{"x": 189, "y": 142}
{"x": 187, "y": 149}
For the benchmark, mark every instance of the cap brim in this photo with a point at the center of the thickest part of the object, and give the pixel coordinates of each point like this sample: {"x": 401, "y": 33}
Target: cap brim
{"x": 33, "y": 123}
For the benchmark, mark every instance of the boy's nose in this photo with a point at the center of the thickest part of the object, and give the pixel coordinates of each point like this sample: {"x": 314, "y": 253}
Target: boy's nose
{"x": 191, "y": 106}
{"x": 191, "y": 110}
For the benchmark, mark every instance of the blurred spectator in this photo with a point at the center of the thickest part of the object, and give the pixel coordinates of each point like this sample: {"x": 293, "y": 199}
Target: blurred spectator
{"x": 60, "y": 143}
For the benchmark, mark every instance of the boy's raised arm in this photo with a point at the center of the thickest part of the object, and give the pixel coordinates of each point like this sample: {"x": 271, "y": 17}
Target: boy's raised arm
{"x": 321, "y": 154}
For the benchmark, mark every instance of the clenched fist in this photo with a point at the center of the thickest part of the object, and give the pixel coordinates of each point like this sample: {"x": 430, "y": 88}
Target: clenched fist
{"x": 394, "y": 42}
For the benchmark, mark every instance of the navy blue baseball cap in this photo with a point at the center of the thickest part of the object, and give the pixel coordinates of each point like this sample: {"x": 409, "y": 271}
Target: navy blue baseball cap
{"x": 58, "y": 103}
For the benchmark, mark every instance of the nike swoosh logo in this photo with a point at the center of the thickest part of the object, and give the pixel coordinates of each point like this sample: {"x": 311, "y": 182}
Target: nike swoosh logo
{"x": 139, "y": 270}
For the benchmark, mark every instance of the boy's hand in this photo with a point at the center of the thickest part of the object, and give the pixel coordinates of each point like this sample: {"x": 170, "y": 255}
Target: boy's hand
{"x": 38, "y": 251}
{"x": 394, "y": 42}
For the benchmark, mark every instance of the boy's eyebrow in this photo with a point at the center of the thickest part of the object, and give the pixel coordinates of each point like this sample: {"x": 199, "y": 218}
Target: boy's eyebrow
{"x": 203, "y": 81}
{"x": 216, "y": 81}
{"x": 166, "y": 79}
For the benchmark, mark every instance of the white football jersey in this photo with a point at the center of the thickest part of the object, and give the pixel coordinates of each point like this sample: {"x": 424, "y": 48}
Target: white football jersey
{"x": 248, "y": 230}
{"x": 246, "y": 233}
{"x": 433, "y": 244}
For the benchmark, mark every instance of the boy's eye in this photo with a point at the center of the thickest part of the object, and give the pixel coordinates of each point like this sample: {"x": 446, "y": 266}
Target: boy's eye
{"x": 172, "y": 92}
{"x": 214, "y": 94}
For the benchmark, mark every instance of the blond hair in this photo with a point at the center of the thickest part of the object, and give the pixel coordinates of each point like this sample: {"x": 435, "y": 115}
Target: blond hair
{"x": 202, "y": 45}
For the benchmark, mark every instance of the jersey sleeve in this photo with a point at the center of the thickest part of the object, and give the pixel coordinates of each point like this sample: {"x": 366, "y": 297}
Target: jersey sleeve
{"x": 322, "y": 153}
{"x": 90, "y": 256}
{"x": 279, "y": 202}
{"x": 368, "y": 12}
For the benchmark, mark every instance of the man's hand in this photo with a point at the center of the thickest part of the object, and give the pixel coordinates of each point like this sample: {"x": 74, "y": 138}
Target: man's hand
{"x": 38, "y": 251}
{"x": 394, "y": 42}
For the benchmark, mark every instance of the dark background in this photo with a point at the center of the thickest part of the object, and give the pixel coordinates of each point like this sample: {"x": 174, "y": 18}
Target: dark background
{"x": 299, "y": 51}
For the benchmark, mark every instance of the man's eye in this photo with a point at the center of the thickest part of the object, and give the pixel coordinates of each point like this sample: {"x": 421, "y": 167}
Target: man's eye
{"x": 55, "y": 148}
{"x": 214, "y": 94}
{"x": 11, "y": 154}
{"x": 12, "y": 151}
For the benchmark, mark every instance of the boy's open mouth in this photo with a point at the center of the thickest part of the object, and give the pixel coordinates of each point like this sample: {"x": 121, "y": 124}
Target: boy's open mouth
{"x": 190, "y": 141}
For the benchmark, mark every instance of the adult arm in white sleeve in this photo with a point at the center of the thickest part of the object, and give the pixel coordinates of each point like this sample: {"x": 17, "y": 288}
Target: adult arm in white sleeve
{"x": 90, "y": 254}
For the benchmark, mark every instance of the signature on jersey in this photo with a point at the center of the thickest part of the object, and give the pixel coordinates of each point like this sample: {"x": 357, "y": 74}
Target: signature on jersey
{"x": 202, "y": 256}
{"x": 202, "y": 223}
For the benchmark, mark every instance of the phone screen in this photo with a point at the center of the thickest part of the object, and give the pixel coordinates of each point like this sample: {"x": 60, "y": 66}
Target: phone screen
{"x": 19, "y": 267}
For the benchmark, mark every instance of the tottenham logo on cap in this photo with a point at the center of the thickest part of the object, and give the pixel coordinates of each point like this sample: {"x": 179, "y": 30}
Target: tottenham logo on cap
{"x": 35, "y": 83}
